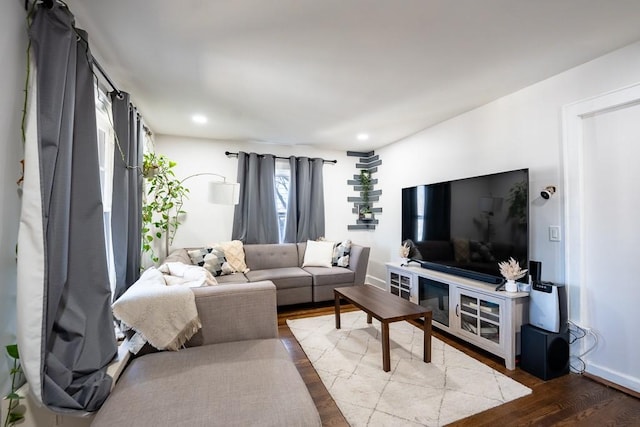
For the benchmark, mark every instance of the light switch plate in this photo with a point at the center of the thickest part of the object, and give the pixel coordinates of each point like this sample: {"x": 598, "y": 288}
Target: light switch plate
{"x": 554, "y": 233}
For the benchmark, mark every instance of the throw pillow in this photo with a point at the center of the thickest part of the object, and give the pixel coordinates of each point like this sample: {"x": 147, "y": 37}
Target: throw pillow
{"x": 318, "y": 254}
{"x": 341, "y": 253}
{"x": 213, "y": 259}
{"x": 197, "y": 255}
{"x": 216, "y": 263}
{"x": 234, "y": 253}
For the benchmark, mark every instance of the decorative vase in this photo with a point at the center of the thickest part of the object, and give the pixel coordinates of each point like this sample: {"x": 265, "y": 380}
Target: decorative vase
{"x": 511, "y": 286}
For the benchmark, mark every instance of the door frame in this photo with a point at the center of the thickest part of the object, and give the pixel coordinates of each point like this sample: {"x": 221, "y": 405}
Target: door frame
{"x": 574, "y": 194}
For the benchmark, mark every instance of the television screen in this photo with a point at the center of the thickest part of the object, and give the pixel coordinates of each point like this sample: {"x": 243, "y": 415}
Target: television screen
{"x": 467, "y": 226}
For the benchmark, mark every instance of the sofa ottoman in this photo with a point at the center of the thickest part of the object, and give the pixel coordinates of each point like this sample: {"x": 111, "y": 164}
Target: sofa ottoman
{"x": 234, "y": 372}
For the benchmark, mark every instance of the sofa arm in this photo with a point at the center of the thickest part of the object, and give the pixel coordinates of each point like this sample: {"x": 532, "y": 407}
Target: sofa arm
{"x": 235, "y": 312}
{"x": 358, "y": 262}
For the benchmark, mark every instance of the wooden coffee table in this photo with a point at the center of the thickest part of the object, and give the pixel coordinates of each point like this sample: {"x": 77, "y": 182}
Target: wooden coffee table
{"x": 386, "y": 308}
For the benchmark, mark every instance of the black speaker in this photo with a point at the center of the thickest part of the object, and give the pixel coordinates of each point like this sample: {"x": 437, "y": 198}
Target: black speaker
{"x": 535, "y": 270}
{"x": 544, "y": 354}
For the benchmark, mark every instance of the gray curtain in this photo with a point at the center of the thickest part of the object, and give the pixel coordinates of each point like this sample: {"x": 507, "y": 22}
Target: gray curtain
{"x": 255, "y": 219}
{"x": 305, "y": 210}
{"x": 78, "y": 338}
{"x": 126, "y": 209}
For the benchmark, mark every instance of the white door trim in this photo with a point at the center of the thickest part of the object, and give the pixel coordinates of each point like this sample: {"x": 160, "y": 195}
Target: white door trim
{"x": 573, "y": 140}
{"x": 574, "y": 217}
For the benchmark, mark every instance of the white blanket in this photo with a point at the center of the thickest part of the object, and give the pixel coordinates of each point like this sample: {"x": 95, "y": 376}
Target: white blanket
{"x": 193, "y": 276}
{"x": 164, "y": 316}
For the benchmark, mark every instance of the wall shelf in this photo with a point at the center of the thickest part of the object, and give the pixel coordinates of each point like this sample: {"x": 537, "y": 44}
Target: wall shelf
{"x": 368, "y": 161}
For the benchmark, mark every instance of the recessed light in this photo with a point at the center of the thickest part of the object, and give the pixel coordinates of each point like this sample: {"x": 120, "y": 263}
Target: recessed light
{"x": 199, "y": 119}
{"x": 363, "y": 136}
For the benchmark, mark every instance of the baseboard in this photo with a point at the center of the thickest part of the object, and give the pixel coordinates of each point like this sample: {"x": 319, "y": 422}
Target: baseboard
{"x": 622, "y": 382}
{"x": 382, "y": 284}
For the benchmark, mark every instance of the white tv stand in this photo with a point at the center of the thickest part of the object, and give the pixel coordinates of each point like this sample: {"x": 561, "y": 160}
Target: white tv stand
{"x": 467, "y": 308}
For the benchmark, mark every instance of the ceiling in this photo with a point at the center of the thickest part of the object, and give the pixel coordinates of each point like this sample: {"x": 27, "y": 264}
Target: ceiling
{"x": 319, "y": 72}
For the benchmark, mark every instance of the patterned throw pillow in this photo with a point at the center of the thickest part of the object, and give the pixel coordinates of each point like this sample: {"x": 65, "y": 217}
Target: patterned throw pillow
{"x": 234, "y": 254}
{"x": 197, "y": 255}
{"x": 212, "y": 259}
{"x": 341, "y": 253}
{"x": 216, "y": 263}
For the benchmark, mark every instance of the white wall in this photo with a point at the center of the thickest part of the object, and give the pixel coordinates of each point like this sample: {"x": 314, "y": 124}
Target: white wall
{"x": 13, "y": 47}
{"x": 521, "y": 130}
{"x": 206, "y": 223}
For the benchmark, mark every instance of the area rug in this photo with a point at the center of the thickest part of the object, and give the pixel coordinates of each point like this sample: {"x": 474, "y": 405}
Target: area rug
{"x": 413, "y": 393}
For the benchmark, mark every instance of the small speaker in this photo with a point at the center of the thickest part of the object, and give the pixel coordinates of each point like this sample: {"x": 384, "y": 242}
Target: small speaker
{"x": 544, "y": 354}
{"x": 535, "y": 270}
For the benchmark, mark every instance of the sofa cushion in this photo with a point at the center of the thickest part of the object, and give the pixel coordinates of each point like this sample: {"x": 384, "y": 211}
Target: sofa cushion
{"x": 331, "y": 276}
{"x": 266, "y": 256}
{"x": 286, "y": 277}
{"x": 242, "y": 383}
{"x": 232, "y": 278}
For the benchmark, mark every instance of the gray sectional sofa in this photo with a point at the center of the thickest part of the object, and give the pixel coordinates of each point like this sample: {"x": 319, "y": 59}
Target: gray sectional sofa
{"x": 282, "y": 265}
{"x": 235, "y": 371}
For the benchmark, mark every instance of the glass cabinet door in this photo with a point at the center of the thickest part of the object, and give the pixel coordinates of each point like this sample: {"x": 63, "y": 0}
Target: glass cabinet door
{"x": 394, "y": 283}
{"x": 479, "y": 316}
{"x": 490, "y": 321}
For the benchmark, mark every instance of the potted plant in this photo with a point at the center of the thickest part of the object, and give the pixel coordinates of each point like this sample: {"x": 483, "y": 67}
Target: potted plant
{"x": 365, "y": 213}
{"x": 511, "y": 271}
{"x": 164, "y": 194}
{"x": 15, "y": 412}
{"x": 365, "y": 188}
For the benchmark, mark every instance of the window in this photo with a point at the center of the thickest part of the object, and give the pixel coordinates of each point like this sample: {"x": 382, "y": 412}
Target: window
{"x": 106, "y": 143}
{"x": 283, "y": 181}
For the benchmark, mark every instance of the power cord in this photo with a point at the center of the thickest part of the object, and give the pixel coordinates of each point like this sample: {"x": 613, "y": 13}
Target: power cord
{"x": 576, "y": 334}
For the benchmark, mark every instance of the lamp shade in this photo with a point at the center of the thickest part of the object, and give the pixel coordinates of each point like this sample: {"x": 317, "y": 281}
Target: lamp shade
{"x": 224, "y": 193}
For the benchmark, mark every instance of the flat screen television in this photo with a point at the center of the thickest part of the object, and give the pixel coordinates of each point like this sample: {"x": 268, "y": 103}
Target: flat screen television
{"x": 466, "y": 226}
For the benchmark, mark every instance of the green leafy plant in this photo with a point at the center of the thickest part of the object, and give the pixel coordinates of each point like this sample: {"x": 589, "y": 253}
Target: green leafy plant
{"x": 15, "y": 412}
{"x": 163, "y": 202}
{"x": 365, "y": 189}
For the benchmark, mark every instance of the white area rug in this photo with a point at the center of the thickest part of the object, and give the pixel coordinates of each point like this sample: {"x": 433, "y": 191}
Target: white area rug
{"x": 413, "y": 393}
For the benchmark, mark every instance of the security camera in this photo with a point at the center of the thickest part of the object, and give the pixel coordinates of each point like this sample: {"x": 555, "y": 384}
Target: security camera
{"x": 547, "y": 192}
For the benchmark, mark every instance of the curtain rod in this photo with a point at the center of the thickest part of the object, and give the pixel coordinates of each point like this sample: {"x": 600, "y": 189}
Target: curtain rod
{"x": 49, "y": 4}
{"x": 106, "y": 77}
{"x": 230, "y": 154}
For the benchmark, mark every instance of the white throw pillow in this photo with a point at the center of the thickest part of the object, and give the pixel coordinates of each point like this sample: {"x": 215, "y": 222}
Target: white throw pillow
{"x": 318, "y": 254}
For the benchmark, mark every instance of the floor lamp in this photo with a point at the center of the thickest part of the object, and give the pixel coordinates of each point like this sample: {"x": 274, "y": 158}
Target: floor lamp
{"x": 218, "y": 193}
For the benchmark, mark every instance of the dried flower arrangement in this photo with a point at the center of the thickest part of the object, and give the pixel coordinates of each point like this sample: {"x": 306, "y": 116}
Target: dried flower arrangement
{"x": 511, "y": 270}
{"x": 405, "y": 250}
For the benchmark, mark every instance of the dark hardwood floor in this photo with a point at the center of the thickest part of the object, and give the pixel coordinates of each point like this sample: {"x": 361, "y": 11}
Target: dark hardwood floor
{"x": 571, "y": 400}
